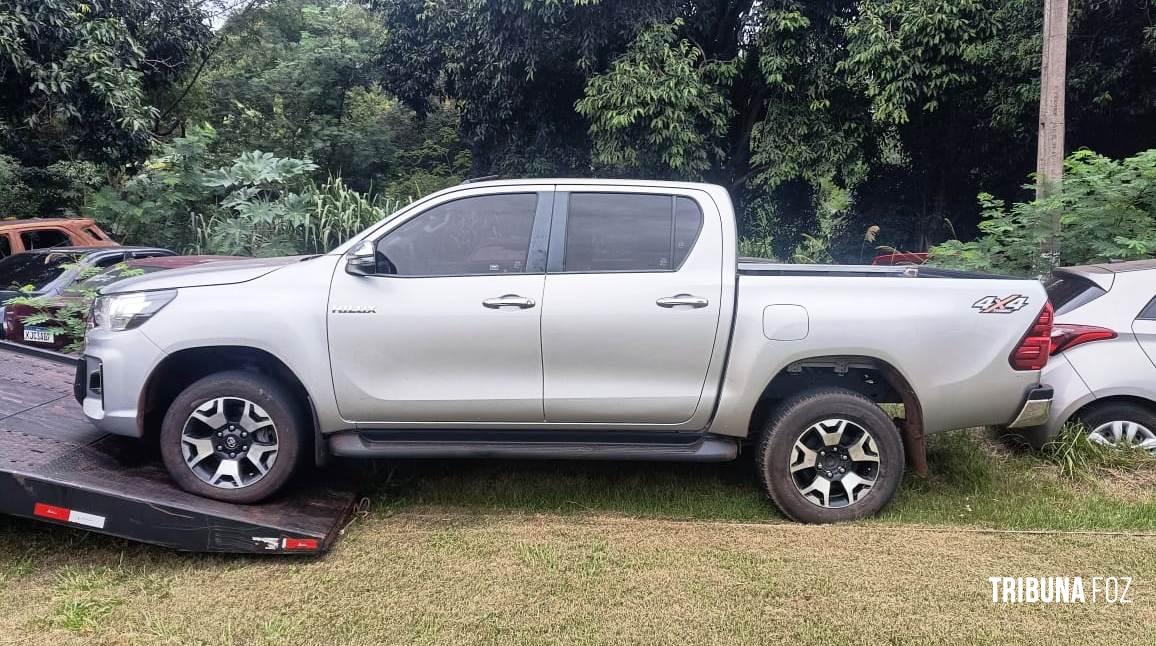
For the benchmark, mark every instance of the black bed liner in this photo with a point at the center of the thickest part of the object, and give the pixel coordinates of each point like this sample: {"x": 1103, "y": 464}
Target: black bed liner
{"x": 55, "y": 467}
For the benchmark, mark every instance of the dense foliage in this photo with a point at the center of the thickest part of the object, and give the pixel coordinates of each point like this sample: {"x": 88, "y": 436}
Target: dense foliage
{"x": 1107, "y": 210}
{"x": 299, "y": 79}
{"x": 909, "y": 107}
{"x": 837, "y": 125}
{"x": 259, "y": 204}
{"x": 83, "y": 78}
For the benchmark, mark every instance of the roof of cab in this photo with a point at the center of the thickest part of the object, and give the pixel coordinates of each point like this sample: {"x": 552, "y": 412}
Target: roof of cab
{"x": 23, "y": 223}
{"x": 581, "y": 181}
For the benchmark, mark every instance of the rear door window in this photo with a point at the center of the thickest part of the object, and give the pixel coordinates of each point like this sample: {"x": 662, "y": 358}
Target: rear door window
{"x": 1069, "y": 291}
{"x": 623, "y": 232}
{"x": 44, "y": 239}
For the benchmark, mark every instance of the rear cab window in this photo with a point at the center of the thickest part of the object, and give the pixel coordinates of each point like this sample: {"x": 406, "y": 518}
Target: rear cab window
{"x": 1068, "y": 292}
{"x": 5, "y": 246}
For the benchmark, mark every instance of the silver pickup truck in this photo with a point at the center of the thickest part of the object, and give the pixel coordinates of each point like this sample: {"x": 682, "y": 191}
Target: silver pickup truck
{"x": 563, "y": 319}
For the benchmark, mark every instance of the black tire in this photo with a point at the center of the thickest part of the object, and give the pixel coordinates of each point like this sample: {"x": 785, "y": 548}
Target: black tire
{"x": 794, "y": 418}
{"x": 1096, "y": 415}
{"x": 291, "y": 433}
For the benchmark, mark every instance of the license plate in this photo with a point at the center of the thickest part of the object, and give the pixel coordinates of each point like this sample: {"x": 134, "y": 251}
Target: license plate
{"x": 38, "y": 334}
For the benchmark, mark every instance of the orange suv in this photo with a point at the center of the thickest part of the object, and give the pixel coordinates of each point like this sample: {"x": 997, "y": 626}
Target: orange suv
{"x": 17, "y": 236}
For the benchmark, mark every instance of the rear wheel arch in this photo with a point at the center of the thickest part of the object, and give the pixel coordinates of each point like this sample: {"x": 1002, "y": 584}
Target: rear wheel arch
{"x": 871, "y": 377}
{"x": 181, "y": 369}
{"x": 1112, "y": 399}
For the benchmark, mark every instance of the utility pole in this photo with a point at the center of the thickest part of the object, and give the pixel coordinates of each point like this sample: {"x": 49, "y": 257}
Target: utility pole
{"x": 1053, "y": 78}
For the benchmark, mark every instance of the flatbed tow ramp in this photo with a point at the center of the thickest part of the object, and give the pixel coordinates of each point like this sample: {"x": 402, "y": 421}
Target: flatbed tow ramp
{"x": 56, "y": 467}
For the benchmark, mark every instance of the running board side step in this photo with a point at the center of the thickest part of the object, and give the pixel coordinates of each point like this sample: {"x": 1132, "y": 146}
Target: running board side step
{"x": 534, "y": 445}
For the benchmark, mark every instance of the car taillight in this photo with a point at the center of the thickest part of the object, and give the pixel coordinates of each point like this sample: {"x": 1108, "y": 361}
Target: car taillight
{"x": 1066, "y": 336}
{"x": 1033, "y": 350}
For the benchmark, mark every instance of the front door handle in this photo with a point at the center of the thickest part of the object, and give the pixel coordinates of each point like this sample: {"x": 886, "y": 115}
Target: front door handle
{"x": 683, "y": 299}
{"x": 509, "y": 300}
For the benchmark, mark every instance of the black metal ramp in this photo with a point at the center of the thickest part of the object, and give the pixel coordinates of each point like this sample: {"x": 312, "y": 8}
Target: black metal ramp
{"x": 54, "y": 466}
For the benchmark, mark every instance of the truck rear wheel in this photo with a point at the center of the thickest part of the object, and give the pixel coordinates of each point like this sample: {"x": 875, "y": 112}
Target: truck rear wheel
{"x": 830, "y": 455}
{"x": 233, "y": 436}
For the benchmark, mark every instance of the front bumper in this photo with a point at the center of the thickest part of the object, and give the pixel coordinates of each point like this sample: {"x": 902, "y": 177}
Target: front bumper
{"x": 111, "y": 376}
{"x": 1036, "y": 409}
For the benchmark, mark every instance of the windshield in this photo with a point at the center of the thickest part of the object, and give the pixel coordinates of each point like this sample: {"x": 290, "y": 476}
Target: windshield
{"x": 33, "y": 270}
{"x": 107, "y": 277}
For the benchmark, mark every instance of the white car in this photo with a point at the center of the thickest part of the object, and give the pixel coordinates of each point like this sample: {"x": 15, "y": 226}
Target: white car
{"x": 1103, "y": 364}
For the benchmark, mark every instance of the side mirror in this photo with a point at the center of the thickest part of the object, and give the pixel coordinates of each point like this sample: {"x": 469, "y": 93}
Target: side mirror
{"x": 361, "y": 260}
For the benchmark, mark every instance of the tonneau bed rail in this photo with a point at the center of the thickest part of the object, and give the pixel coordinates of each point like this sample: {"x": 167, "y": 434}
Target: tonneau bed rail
{"x": 762, "y": 267}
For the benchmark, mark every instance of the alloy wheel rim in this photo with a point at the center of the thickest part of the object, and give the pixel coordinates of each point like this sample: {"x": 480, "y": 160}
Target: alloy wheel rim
{"x": 229, "y": 442}
{"x": 1124, "y": 433}
{"x": 834, "y": 463}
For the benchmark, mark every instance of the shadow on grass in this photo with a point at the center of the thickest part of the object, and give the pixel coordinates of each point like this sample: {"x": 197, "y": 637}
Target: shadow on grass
{"x": 974, "y": 481}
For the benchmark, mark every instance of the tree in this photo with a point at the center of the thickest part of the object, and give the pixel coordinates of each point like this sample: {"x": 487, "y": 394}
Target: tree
{"x": 514, "y": 70}
{"x": 79, "y": 79}
{"x": 297, "y": 78}
{"x": 879, "y": 112}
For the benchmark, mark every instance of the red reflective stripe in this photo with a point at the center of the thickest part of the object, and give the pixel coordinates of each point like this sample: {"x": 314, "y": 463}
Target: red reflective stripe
{"x": 300, "y": 543}
{"x": 50, "y": 511}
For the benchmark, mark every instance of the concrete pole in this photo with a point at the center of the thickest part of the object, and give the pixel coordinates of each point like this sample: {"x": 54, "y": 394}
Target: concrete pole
{"x": 1053, "y": 78}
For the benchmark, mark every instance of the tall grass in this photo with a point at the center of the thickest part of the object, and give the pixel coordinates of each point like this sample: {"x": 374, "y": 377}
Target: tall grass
{"x": 334, "y": 213}
{"x": 1080, "y": 459}
{"x": 319, "y": 218}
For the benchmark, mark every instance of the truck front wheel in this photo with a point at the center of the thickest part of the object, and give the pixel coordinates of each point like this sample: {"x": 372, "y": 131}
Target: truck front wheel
{"x": 830, "y": 455}
{"x": 233, "y": 436}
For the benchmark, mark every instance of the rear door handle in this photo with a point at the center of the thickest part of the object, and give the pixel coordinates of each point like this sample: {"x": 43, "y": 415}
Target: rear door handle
{"x": 509, "y": 300}
{"x": 682, "y": 299}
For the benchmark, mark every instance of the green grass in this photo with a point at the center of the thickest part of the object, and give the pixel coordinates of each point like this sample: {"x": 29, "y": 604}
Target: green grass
{"x": 467, "y": 577}
{"x": 494, "y": 552}
{"x": 1078, "y": 458}
{"x": 975, "y": 481}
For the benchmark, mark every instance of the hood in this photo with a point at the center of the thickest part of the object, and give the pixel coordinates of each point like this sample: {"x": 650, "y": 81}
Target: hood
{"x": 6, "y": 294}
{"x": 214, "y": 273}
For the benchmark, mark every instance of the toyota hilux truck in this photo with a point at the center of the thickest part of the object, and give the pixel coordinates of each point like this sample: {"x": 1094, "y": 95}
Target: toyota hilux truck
{"x": 563, "y": 319}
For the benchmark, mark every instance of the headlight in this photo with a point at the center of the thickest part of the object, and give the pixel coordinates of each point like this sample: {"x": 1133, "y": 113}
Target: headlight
{"x": 126, "y": 311}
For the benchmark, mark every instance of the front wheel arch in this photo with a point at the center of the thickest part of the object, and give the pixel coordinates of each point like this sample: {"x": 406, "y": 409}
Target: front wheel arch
{"x": 182, "y": 368}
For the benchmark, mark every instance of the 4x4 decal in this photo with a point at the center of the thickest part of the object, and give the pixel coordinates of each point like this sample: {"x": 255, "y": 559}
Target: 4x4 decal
{"x": 1000, "y": 304}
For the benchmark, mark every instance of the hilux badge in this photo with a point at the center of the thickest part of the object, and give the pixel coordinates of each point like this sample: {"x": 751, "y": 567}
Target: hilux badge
{"x": 354, "y": 310}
